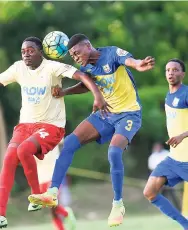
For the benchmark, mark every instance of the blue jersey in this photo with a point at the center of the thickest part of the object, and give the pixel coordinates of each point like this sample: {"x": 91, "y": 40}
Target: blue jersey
{"x": 114, "y": 80}
{"x": 176, "y": 107}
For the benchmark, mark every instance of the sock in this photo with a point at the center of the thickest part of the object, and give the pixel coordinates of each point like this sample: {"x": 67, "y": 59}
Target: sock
{"x": 7, "y": 176}
{"x": 58, "y": 223}
{"x": 25, "y": 153}
{"x": 116, "y": 170}
{"x": 44, "y": 186}
{"x": 61, "y": 211}
{"x": 71, "y": 144}
{"x": 168, "y": 209}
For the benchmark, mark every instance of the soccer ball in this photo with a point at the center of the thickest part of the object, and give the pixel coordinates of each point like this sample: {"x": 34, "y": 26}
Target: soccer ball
{"x": 55, "y": 45}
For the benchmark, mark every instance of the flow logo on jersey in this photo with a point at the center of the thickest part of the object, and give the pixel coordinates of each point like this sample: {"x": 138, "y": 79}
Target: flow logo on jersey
{"x": 34, "y": 90}
{"x": 33, "y": 93}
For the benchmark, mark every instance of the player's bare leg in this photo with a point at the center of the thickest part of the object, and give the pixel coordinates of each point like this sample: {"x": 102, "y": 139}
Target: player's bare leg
{"x": 117, "y": 146}
{"x": 83, "y": 134}
{"x": 153, "y": 187}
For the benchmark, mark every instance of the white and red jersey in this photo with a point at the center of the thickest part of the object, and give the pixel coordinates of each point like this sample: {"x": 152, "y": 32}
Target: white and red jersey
{"x": 38, "y": 105}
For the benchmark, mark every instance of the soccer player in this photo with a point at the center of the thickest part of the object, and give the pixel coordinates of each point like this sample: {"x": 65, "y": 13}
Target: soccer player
{"x": 174, "y": 168}
{"x": 42, "y": 117}
{"x": 108, "y": 67}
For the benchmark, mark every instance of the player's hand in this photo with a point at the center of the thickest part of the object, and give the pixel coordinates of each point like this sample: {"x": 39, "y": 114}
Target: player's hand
{"x": 57, "y": 91}
{"x": 146, "y": 64}
{"x": 101, "y": 105}
{"x": 174, "y": 141}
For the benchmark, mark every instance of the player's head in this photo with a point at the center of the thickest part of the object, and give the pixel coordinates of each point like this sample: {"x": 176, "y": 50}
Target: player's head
{"x": 31, "y": 51}
{"x": 80, "y": 49}
{"x": 175, "y": 71}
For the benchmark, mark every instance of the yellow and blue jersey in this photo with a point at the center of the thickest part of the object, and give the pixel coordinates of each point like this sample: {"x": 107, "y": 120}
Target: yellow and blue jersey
{"x": 176, "y": 107}
{"x": 114, "y": 80}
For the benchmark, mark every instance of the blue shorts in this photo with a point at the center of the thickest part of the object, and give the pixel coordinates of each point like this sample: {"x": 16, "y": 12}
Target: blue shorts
{"x": 127, "y": 124}
{"x": 174, "y": 171}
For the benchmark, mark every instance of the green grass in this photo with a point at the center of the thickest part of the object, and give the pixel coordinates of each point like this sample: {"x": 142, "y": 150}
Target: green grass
{"x": 157, "y": 222}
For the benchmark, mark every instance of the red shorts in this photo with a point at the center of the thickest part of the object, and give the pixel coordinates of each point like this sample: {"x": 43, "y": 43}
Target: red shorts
{"x": 47, "y": 135}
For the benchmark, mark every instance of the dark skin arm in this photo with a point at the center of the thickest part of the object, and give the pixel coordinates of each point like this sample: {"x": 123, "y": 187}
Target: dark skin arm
{"x": 1, "y": 84}
{"x": 140, "y": 65}
{"x": 79, "y": 88}
{"x": 87, "y": 84}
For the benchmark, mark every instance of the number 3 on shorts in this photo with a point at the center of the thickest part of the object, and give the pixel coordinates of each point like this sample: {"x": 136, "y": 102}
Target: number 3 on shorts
{"x": 129, "y": 125}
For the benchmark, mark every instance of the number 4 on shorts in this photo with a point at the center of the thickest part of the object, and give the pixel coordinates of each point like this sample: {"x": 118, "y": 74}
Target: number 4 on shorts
{"x": 42, "y": 133}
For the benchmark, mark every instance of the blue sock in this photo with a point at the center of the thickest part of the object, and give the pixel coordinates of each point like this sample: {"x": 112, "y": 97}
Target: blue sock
{"x": 70, "y": 145}
{"x": 168, "y": 209}
{"x": 116, "y": 170}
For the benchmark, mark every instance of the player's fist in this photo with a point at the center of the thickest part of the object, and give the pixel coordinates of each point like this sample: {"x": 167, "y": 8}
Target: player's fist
{"x": 57, "y": 91}
{"x": 146, "y": 64}
{"x": 101, "y": 105}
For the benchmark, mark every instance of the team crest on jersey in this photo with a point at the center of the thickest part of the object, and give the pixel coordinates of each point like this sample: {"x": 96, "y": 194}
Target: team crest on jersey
{"x": 175, "y": 102}
{"x": 106, "y": 68}
{"x": 121, "y": 52}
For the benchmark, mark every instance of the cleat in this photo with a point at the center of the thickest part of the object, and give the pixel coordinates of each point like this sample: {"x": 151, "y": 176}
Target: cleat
{"x": 117, "y": 213}
{"x": 70, "y": 220}
{"x": 3, "y": 222}
{"x": 34, "y": 207}
{"x": 47, "y": 199}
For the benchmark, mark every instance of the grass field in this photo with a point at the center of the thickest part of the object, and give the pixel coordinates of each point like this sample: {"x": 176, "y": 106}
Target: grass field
{"x": 130, "y": 223}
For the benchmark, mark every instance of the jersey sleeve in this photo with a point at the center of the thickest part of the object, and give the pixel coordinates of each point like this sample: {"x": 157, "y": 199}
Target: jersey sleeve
{"x": 63, "y": 70}
{"x": 121, "y": 55}
{"x": 186, "y": 98}
{"x": 9, "y": 75}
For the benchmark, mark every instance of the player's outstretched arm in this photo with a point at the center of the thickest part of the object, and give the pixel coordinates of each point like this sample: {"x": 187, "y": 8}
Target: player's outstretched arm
{"x": 79, "y": 88}
{"x": 141, "y": 65}
{"x": 1, "y": 84}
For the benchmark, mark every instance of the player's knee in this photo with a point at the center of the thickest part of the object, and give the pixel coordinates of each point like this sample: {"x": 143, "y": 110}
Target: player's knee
{"x": 115, "y": 157}
{"x": 149, "y": 193}
{"x": 26, "y": 148}
{"x": 71, "y": 143}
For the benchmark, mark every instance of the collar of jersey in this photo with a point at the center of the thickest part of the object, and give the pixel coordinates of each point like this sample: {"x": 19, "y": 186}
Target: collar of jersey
{"x": 39, "y": 68}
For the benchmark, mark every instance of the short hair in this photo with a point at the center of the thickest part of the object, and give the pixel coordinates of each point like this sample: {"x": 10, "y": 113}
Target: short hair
{"x": 75, "y": 39}
{"x": 36, "y": 40}
{"x": 182, "y": 64}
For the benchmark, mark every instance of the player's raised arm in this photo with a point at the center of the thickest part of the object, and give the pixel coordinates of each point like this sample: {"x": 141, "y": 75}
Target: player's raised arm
{"x": 123, "y": 57}
{"x": 140, "y": 65}
{"x": 63, "y": 70}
